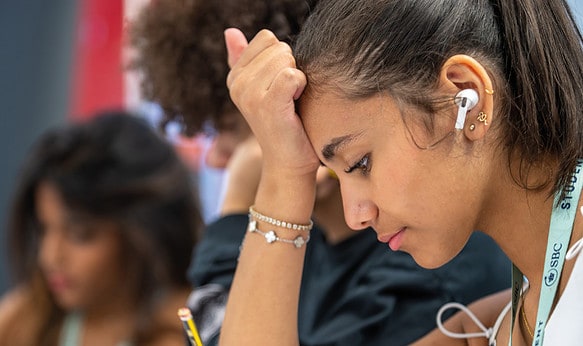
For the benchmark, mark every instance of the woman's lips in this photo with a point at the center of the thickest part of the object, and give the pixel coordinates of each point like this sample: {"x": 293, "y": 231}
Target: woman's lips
{"x": 395, "y": 240}
{"x": 58, "y": 283}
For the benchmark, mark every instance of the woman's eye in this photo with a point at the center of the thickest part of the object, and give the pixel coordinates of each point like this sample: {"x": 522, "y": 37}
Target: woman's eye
{"x": 80, "y": 233}
{"x": 363, "y": 164}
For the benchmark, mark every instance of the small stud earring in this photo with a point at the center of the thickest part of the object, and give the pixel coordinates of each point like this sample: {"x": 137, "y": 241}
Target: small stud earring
{"x": 472, "y": 127}
{"x": 483, "y": 118}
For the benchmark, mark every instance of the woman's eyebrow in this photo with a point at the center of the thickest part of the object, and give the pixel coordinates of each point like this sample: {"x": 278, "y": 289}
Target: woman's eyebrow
{"x": 329, "y": 150}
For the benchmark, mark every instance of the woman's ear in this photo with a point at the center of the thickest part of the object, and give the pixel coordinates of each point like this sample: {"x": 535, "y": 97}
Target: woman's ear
{"x": 464, "y": 72}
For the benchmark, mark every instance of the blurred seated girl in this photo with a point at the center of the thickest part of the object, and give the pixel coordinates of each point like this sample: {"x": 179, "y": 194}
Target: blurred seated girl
{"x": 103, "y": 224}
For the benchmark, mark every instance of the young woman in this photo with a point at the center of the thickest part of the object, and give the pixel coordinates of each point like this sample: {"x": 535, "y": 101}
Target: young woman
{"x": 102, "y": 228}
{"x": 439, "y": 117}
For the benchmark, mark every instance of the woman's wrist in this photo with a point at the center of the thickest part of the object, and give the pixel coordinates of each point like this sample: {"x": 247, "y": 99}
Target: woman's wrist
{"x": 286, "y": 196}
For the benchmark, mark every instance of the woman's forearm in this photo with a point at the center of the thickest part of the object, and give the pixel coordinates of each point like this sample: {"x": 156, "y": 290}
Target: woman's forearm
{"x": 263, "y": 302}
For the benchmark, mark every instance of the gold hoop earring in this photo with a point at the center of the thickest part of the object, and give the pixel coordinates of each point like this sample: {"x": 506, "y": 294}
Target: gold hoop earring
{"x": 483, "y": 118}
{"x": 489, "y": 91}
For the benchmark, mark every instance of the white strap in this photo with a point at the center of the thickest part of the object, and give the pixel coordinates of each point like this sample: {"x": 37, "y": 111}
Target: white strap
{"x": 488, "y": 333}
{"x": 575, "y": 249}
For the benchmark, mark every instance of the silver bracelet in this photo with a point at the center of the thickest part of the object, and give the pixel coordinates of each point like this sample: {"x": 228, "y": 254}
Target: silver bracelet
{"x": 272, "y": 237}
{"x": 258, "y": 216}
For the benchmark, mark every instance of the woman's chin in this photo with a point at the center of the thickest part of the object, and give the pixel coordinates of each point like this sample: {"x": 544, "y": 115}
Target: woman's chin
{"x": 430, "y": 261}
{"x": 66, "y": 302}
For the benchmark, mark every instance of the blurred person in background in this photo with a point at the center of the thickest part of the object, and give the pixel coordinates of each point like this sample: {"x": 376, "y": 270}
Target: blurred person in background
{"x": 354, "y": 291}
{"x": 102, "y": 228}
{"x": 182, "y": 60}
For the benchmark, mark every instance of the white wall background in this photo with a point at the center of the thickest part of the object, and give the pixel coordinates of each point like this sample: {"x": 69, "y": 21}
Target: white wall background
{"x": 577, "y": 7}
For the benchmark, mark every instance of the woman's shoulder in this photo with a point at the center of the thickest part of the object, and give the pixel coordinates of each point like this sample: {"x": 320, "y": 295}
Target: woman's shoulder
{"x": 12, "y": 304}
{"x": 486, "y": 310}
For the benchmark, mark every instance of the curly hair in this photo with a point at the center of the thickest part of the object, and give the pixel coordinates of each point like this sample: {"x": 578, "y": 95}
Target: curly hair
{"x": 182, "y": 57}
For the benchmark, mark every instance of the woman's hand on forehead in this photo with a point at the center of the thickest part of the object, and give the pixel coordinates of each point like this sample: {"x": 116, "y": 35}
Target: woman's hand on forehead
{"x": 264, "y": 84}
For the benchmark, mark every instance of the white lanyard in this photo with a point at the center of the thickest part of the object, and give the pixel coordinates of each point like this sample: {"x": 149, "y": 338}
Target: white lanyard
{"x": 560, "y": 229}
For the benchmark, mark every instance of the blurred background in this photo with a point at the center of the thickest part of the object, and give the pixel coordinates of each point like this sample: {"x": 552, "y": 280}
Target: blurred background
{"x": 60, "y": 61}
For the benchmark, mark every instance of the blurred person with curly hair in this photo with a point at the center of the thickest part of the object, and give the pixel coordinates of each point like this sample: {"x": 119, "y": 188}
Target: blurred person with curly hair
{"x": 182, "y": 60}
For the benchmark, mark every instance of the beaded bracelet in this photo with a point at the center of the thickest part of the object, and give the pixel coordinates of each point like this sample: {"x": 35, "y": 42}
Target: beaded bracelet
{"x": 272, "y": 237}
{"x": 258, "y": 216}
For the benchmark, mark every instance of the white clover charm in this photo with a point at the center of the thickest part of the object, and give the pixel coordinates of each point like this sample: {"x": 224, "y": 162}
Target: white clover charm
{"x": 270, "y": 237}
{"x": 299, "y": 242}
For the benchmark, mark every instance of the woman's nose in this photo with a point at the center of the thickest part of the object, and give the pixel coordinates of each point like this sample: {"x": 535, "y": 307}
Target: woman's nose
{"x": 359, "y": 211}
{"x": 51, "y": 250}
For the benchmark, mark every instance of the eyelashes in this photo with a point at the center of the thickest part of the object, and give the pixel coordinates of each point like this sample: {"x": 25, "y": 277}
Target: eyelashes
{"x": 364, "y": 165}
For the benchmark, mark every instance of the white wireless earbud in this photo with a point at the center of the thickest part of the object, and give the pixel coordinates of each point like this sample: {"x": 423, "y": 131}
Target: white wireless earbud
{"x": 466, "y": 100}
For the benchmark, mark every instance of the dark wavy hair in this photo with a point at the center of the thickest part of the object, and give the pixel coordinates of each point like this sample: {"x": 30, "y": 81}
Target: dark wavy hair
{"x": 114, "y": 168}
{"x": 181, "y": 51}
{"x": 531, "y": 48}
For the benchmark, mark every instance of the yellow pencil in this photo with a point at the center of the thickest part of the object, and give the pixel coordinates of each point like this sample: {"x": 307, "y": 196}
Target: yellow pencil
{"x": 189, "y": 326}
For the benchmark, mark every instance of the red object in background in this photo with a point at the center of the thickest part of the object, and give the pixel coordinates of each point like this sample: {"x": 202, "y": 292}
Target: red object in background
{"x": 190, "y": 150}
{"x": 97, "y": 71}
